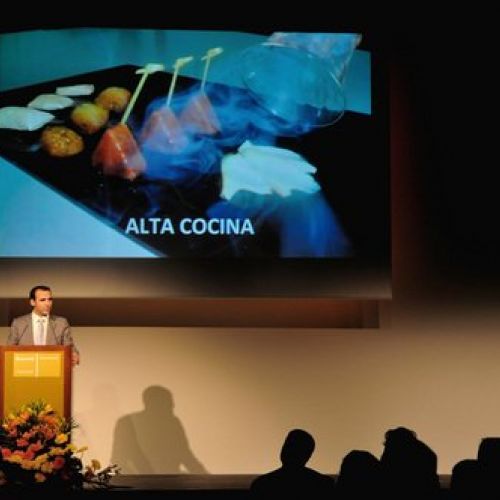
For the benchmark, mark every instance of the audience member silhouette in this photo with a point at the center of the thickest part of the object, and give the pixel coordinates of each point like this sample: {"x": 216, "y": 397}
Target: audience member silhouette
{"x": 488, "y": 458}
{"x": 409, "y": 466}
{"x": 465, "y": 480}
{"x": 359, "y": 476}
{"x": 294, "y": 480}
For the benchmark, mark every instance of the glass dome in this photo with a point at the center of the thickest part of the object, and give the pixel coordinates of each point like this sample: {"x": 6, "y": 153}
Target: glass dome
{"x": 293, "y": 84}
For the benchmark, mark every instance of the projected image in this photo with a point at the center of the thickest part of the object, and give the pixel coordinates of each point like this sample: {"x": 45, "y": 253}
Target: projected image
{"x": 189, "y": 144}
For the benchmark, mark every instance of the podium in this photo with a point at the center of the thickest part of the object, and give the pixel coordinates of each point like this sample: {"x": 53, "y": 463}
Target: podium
{"x": 35, "y": 372}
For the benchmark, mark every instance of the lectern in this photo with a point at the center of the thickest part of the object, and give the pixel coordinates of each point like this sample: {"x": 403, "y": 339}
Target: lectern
{"x": 28, "y": 373}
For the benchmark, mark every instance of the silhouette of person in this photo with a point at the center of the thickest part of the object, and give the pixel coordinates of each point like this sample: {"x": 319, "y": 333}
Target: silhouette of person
{"x": 409, "y": 466}
{"x": 359, "y": 476}
{"x": 153, "y": 441}
{"x": 293, "y": 480}
{"x": 465, "y": 480}
{"x": 488, "y": 458}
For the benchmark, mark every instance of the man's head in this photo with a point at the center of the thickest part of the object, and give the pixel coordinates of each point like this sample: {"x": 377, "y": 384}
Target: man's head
{"x": 41, "y": 300}
{"x": 297, "y": 448}
{"x": 399, "y": 436}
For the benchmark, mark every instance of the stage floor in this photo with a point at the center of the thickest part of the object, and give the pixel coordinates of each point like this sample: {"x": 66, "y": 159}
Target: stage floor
{"x": 207, "y": 482}
{"x": 177, "y": 486}
{"x": 183, "y": 482}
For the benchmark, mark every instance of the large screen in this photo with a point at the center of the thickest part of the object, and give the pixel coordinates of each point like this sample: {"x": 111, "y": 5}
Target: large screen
{"x": 216, "y": 153}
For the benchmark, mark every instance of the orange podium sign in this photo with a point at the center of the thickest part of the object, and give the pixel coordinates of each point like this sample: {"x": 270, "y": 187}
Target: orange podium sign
{"x": 28, "y": 373}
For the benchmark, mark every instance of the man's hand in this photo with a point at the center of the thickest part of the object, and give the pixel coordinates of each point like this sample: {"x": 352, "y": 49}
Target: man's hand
{"x": 75, "y": 358}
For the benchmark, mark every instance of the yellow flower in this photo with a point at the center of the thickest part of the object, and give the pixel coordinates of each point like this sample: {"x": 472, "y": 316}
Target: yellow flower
{"x": 39, "y": 477}
{"x": 56, "y": 451}
{"x": 46, "y": 467}
{"x": 29, "y": 465}
{"x": 82, "y": 449}
{"x": 14, "y": 459}
{"x": 42, "y": 458}
{"x": 61, "y": 438}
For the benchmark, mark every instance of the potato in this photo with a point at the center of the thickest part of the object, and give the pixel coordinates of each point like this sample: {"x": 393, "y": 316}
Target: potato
{"x": 61, "y": 141}
{"x": 89, "y": 117}
{"x": 113, "y": 98}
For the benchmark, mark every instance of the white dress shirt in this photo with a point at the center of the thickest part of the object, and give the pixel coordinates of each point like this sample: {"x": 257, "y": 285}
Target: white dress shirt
{"x": 37, "y": 339}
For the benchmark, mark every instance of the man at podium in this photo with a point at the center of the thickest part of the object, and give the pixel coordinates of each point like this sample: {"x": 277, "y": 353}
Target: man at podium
{"x": 40, "y": 327}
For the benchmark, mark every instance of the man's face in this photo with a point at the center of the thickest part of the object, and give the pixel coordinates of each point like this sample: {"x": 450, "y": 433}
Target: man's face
{"x": 42, "y": 304}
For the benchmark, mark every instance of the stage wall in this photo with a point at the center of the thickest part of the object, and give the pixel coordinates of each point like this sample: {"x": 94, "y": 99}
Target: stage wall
{"x": 237, "y": 391}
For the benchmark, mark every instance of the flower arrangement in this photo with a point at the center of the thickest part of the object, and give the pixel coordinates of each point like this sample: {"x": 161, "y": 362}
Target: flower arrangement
{"x": 36, "y": 450}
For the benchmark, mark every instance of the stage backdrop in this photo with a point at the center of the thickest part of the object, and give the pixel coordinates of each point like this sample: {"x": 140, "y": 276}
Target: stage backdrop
{"x": 236, "y": 392}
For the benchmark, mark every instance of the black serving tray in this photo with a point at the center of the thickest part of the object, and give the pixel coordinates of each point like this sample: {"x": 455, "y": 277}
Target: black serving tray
{"x": 349, "y": 155}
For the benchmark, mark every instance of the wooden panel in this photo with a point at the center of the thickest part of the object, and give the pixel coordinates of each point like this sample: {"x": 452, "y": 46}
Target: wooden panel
{"x": 244, "y": 312}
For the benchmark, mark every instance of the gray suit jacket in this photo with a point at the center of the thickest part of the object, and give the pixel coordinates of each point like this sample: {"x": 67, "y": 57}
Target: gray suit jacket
{"x": 58, "y": 331}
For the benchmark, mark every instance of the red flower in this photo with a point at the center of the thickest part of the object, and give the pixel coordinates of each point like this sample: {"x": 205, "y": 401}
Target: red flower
{"x": 35, "y": 446}
{"x": 58, "y": 463}
{"x": 21, "y": 443}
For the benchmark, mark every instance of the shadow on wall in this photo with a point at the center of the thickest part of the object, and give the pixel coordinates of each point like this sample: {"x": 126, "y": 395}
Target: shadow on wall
{"x": 153, "y": 441}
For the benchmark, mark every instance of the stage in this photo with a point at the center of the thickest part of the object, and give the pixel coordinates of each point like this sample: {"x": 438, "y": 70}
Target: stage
{"x": 182, "y": 485}
{"x": 173, "y": 486}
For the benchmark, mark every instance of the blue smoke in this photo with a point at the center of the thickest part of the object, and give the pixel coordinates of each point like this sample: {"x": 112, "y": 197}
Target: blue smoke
{"x": 303, "y": 224}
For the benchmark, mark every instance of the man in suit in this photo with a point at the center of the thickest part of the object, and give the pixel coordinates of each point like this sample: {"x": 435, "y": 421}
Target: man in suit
{"x": 294, "y": 480}
{"x": 40, "y": 327}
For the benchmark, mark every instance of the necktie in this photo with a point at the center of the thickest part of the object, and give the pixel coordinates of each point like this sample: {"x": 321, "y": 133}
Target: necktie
{"x": 40, "y": 332}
